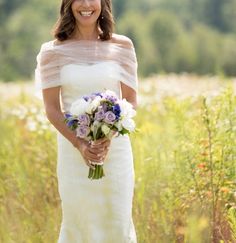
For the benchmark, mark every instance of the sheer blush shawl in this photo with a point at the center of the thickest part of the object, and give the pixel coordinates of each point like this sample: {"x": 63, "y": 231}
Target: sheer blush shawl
{"x": 52, "y": 57}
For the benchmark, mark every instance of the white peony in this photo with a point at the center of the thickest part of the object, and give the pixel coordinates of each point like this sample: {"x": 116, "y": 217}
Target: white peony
{"x": 93, "y": 105}
{"x": 78, "y": 107}
{"x": 105, "y": 129}
{"x": 128, "y": 124}
{"x": 126, "y": 108}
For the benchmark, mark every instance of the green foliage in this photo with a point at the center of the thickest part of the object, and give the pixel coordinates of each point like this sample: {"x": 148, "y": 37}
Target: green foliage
{"x": 164, "y": 30}
{"x": 23, "y": 33}
{"x": 164, "y": 43}
{"x": 228, "y": 55}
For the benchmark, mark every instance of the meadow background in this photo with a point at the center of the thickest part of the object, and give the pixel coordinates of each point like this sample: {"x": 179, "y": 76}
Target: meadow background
{"x": 185, "y": 150}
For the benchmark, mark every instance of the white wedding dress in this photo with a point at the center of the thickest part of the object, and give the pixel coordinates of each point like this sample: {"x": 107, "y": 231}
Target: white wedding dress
{"x": 94, "y": 211}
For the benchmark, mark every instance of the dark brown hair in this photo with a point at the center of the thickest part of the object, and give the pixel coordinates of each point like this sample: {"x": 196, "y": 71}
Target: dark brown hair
{"x": 66, "y": 23}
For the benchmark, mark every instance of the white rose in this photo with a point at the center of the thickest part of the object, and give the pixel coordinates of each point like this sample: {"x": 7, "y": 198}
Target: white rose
{"x": 118, "y": 125}
{"x": 105, "y": 129}
{"x": 78, "y": 107}
{"x": 128, "y": 124}
{"x": 93, "y": 105}
{"x": 126, "y": 108}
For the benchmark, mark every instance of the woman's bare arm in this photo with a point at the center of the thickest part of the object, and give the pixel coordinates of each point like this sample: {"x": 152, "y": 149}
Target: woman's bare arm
{"x": 55, "y": 115}
{"x": 129, "y": 94}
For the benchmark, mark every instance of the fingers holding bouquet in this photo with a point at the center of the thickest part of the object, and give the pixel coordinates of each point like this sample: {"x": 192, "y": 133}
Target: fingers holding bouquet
{"x": 100, "y": 147}
{"x": 100, "y": 144}
{"x": 91, "y": 155}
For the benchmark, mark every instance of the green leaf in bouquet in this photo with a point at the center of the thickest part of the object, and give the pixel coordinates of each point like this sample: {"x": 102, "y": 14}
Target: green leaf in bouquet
{"x": 124, "y": 131}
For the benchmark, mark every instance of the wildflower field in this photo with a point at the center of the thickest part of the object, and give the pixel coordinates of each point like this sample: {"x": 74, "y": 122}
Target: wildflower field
{"x": 185, "y": 163}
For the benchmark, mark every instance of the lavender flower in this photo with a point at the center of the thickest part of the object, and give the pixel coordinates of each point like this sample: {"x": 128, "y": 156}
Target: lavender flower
{"x": 100, "y": 115}
{"x": 82, "y": 131}
{"x": 110, "y": 117}
{"x": 83, "y": 119}
{"x": 111, "y": 98}
{"x": 104, "y": 106}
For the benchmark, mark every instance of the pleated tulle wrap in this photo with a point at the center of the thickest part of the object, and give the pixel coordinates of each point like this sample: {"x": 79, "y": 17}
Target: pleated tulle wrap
{"x": 52, "y": 57}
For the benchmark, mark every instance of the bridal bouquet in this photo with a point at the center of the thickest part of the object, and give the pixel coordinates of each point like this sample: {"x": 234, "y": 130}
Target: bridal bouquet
{"x": 100, "y": 115}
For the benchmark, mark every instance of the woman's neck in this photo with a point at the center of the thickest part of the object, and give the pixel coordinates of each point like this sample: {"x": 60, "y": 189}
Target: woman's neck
{"x": 86, "y": 33}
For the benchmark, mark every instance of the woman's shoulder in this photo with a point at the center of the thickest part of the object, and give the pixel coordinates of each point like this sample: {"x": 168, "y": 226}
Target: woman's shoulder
{"x": 52, "y": 44}
{"x": 47, "y": 53}
{"x": 122, "y": 40}
{"x": 48, "y": 43}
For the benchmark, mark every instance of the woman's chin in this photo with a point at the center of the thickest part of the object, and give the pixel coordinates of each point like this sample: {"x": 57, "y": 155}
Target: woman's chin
{"x": 87, "y": 21}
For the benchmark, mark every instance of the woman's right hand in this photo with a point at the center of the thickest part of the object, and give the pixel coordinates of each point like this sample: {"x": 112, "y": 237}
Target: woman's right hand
{"x": 89, "y": 154}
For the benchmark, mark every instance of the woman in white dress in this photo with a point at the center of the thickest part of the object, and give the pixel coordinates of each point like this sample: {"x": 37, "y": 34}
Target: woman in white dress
{"x": 88, "y": 57}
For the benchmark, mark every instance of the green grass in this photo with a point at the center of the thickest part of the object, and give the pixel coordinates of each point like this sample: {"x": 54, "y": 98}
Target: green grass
{"x": 185, "y": 164}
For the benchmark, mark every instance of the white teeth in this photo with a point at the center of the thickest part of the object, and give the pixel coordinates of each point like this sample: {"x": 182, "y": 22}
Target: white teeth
{"x": 86, "y": 13}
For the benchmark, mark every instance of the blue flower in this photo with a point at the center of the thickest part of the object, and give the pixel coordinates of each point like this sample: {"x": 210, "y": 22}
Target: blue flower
{"x": 116, "y": 109}
{"x": 67, "y": 115}
{"x": 86, "y": 97}
{"x": 71, "y": 123}
{"x": 97, "y": 94}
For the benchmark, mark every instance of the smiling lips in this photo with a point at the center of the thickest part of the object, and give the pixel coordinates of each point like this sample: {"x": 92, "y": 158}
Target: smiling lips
{"x": 86, "y": 13}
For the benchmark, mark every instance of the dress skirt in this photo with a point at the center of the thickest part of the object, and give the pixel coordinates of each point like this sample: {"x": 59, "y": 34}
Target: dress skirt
{"x": 96, "y": 211}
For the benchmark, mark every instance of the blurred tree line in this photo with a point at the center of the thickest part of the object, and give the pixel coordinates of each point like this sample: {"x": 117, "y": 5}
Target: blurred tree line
{"x": 169, "y": 35}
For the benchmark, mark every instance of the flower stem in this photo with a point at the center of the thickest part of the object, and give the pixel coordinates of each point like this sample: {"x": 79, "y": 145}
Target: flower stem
{"x": 90, "y": 173}
{"x": 97, "y": 173}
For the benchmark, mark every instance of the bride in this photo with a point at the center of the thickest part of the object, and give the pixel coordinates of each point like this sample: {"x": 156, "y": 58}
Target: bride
{"x": 86, "y": 57}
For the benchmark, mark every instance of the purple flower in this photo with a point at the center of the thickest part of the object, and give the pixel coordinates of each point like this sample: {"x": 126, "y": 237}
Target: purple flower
{"x": 83, "y": 119}
{"x": 86, "y": 97}
{"x": 97, "y": 94}
{"x": 117, "y": 110}
{"x": 82, "y": 131}
{"x": 71, "y": 123}
{"x": 67, "y": 115}
{"x": 91, "y": 96}
{"x": 104, "y": 106}
{"x": 99, "y": 115}
{"x": 110, "y": 117}
{"x": 94, "y": 95}
{"x": 111, "y": 98}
